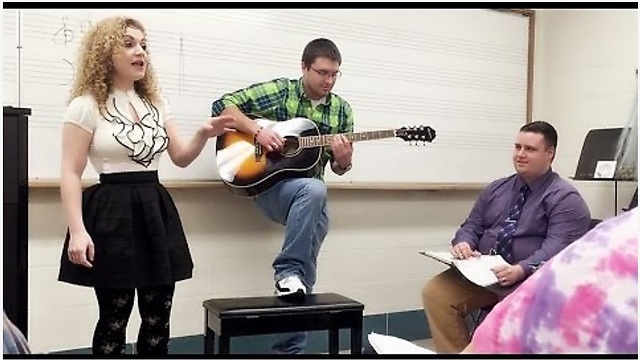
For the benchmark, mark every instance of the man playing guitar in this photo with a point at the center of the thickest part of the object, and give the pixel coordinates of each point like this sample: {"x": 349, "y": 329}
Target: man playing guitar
{"x": 298, "y": 203}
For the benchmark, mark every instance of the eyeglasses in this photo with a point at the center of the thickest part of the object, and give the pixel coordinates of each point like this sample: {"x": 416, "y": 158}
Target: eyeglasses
{"x": 327, "y": 74}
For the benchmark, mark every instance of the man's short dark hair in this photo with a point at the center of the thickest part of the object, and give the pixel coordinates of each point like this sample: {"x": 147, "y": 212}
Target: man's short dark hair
{"x": 542, "y": 127}
{"x": 320, "y": 48}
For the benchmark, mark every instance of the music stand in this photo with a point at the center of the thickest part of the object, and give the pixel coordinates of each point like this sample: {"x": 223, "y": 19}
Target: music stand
{"x": 600, "y": 145}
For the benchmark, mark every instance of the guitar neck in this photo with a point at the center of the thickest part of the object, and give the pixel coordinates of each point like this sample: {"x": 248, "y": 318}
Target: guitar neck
{"x": 325, "y": 140}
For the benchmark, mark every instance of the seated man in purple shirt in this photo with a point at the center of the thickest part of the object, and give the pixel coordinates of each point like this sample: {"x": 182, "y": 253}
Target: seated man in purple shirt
{"x": 527, "y": 218}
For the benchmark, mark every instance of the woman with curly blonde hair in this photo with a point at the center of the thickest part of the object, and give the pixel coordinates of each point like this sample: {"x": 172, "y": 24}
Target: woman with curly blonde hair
{"x": 124, "y": 234}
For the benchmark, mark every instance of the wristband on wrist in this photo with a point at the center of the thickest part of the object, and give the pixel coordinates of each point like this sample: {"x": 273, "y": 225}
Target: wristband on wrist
{"x": 255, "y": 136}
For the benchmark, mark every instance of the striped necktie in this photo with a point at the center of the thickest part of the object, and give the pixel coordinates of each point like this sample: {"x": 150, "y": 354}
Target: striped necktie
{"x": 505, "y": 235}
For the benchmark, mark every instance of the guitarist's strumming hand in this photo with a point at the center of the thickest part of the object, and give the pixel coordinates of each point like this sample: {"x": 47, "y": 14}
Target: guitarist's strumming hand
{"x": 217, "y": 126}
{"x": 269, "y": 139}
{"x": 342, "y": 151}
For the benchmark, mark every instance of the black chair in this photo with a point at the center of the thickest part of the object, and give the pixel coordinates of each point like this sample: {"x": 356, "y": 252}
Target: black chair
{"x": 230, "y": 317}
{"x": 594, "y": 222}
{"x": 478, "y": 316}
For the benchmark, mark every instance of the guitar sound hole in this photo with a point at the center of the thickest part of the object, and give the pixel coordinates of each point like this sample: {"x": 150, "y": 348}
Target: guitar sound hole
{"x": 291, "y": 146}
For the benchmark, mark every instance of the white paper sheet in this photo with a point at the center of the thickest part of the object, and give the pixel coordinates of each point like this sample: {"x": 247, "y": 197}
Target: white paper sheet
{"x": 387, "y": 344}
{"x": 476, "y": 269}
{"x": 605, "y": 169}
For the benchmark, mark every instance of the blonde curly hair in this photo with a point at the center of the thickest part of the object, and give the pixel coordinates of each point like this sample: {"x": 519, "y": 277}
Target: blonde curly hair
{"x": 95, "y": 69}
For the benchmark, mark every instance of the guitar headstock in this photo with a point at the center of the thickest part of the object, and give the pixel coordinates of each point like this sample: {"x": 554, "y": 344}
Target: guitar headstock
{"x": 416, "y": 133}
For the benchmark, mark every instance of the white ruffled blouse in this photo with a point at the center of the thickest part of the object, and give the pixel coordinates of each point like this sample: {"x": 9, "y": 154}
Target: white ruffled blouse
{"x": 121, "y": 144}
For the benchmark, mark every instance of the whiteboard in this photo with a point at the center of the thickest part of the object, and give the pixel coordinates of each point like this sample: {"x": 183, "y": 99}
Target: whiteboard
{"x": 462, "y": 72}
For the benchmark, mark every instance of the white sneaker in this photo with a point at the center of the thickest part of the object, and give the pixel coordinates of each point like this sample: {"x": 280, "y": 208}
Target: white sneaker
{"x": 290, "y": 286}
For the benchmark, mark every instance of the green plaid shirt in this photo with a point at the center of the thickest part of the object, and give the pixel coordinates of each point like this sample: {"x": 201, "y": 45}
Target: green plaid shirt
{"x": 283, "y": 99}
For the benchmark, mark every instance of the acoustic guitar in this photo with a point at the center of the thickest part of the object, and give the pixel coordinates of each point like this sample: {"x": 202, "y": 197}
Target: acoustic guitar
{"x": 248, "y": 169}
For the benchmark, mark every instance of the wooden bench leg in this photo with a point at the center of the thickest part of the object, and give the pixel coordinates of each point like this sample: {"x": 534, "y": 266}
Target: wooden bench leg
{"x": 356, "y": 338}
{"x": 334, "y": 341}
{"x": 225, "y": 342}
{"x": 209, "y": 336}
{"x": 209, "y": 342}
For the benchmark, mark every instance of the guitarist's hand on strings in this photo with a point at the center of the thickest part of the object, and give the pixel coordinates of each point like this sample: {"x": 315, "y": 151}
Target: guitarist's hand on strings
{"x": 269, "y": 139}
{"x": 342, "y": 151}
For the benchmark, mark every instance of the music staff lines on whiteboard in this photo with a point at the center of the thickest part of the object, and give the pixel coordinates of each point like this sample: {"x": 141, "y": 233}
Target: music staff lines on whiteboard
{"x": 422, "y": 105}
{"x": 200, "y": 45}
{"x": 432, "y": 102}
{"x": 201, "y": 85}
{"x": 413, "y": 69}
{"x": 423, "y": 42}
{"x": 247, "y": 53}
{"x": 453, "y": 111}
{"x": 440, "y": 78}
{"x": 43, "y": 72}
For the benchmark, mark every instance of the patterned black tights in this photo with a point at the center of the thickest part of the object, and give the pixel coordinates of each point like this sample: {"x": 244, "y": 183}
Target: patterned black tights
{"x": 154, "y": 305}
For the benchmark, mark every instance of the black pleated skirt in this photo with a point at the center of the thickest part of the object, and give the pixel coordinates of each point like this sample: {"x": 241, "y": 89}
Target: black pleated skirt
{"x": 137, "y": 234}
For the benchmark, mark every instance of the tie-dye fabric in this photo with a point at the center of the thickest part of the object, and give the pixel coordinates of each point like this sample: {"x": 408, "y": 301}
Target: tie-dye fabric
{"x": 584, "y": 300}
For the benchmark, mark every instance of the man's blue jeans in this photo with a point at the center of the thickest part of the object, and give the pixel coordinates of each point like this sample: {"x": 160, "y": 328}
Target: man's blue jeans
{"x": 300, "y": 204}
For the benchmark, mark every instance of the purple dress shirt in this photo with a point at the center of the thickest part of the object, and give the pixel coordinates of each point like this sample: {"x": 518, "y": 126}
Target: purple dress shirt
{"x": 553, "y": 216}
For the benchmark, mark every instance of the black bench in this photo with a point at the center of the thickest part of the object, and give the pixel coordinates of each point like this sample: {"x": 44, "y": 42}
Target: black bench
{"x": 268, "y": 315}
